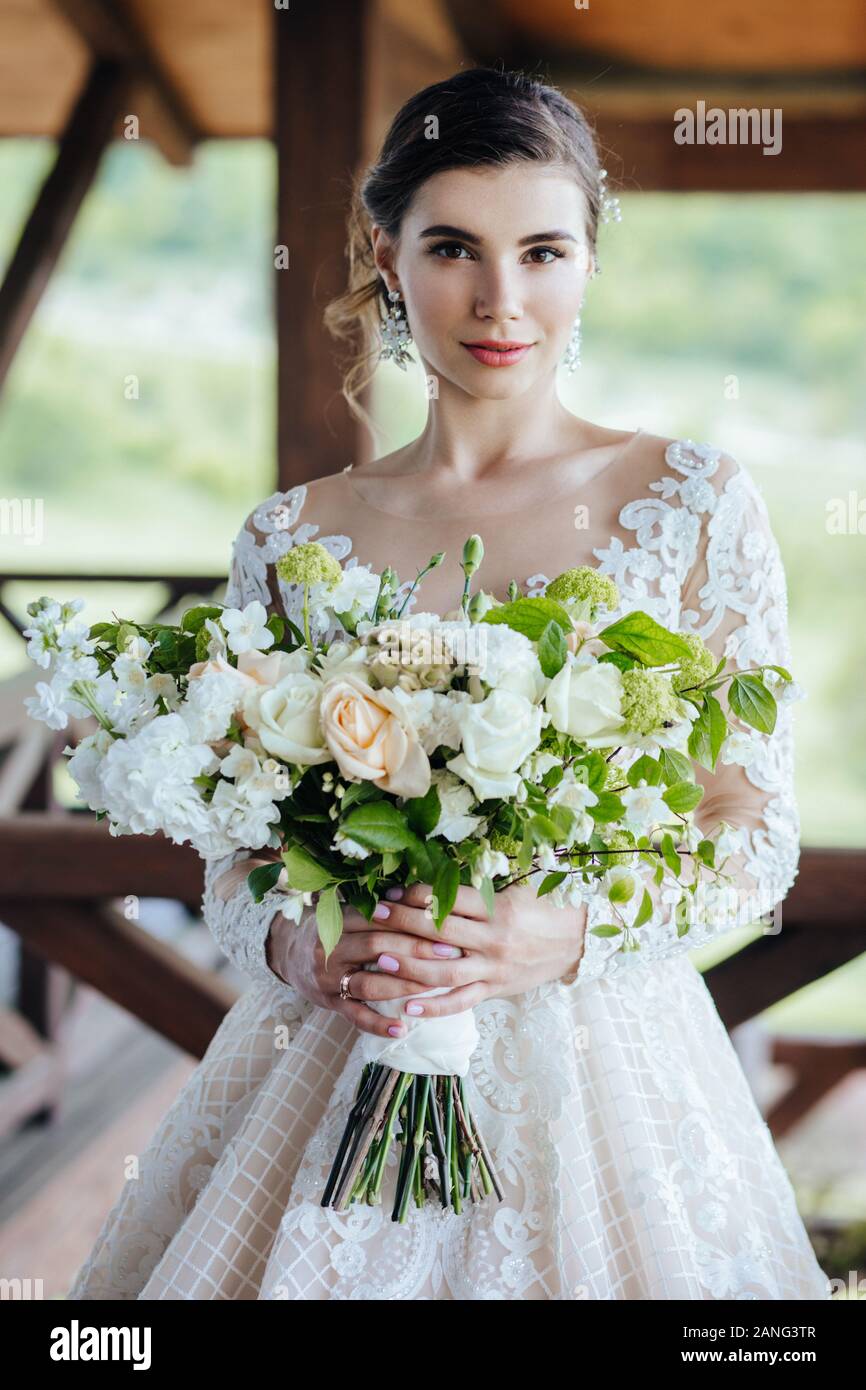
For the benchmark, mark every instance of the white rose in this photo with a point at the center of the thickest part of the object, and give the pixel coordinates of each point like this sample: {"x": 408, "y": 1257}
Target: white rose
{"x": 498, "y": 734}
{"x": 584, "y": 699}
{"x": 285, "y": 718}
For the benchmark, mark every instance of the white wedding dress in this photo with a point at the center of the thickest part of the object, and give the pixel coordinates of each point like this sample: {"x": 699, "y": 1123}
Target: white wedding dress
{"x": 634, "y": 1159}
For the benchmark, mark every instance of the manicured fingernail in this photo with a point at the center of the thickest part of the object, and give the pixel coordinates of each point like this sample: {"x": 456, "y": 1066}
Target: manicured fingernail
{"x": 396, "y": 1030}
{"x": 382, "y": 910}
{"x": 414, "y": 1008}
{"x": 388, "y": 963}
{"x": 440, "y": 949}
{"x": 394, "y": 894}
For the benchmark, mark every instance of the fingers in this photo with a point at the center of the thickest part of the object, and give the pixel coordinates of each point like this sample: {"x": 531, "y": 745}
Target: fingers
{"x": 376, "y": 984}
{"x": 469, "y": 933}
{"x": 468, "y": 902}
{"x": 466, "y": 997}
{"x": 369, "y": 1021}
{"x": 363, "y": 946}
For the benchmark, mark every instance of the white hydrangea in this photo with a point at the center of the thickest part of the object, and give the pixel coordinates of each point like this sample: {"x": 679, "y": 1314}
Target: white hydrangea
{"x": 148, "y": 779}
{"x": 456, "y": 799}
{"x": 211, "y": 701}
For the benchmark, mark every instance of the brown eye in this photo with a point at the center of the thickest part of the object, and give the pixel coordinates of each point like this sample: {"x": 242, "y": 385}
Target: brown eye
{"x": 546, "y": 251}
{"x": 444, "y": 246}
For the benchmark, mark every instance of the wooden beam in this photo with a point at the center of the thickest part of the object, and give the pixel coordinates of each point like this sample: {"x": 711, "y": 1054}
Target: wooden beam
{"x": 319, "y": 142}
{"x": 87, "y": 133}
{"x": 818, "y": 155}
{"x": 110, "y": 30}
{"x": 125, "y": 963}
{"x": 75, "y": 856}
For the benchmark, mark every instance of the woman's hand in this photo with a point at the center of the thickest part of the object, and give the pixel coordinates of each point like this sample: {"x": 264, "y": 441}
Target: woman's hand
{"x": 296, "y": 955}
{"x": 528, "y": 942}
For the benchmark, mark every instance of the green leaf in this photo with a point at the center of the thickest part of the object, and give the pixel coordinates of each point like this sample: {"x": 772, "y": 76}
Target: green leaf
{"x": 544, "y": 830}
{"x": 524, "y": 855}
{"x": 423, "y": 812}
{"x": 391, "y": 862}
{"x": 751, "y": 701}
{"x": 645, "y": 911}
{"x": 529, "y": 616}
{"x": 786, "y": 675}
{"x": 445, "y": 885}
{"x": 621, "y": 890}
{"x": 329, "y": 920}
{"x": 620, "y": 660}
{"x": 606, "y": 929}
{"x": 550, "y": 882}
{"x": 670, "y": 856}
{"x": 358, "y": 792}
{"x": 263, "y": 878}
{"x": 645, "y": 769}
{"x": 194, "y": 618}
{"x": 552, "y": 649}
{"x": 637, "y": 634}
{"x": 708, "y": 733}
{"x": 277, "y": 626}
{"x": 682, "y": 916}
{"x": 609, "y": 807}
{"x": 378, "y": 825}
{"x": 682, "y": 797}
{"x": 488, "y": 893}
{"x": 676, "y": 767}
{"x": 706, "y": 852}
{"x": 304, "y": 873}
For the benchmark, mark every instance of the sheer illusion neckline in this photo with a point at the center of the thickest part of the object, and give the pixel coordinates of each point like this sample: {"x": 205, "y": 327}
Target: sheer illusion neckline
{"x": 481, "y": 512}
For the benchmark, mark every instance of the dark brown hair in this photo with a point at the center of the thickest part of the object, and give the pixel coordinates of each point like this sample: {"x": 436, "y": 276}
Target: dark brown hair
{"x": 485, "y": 116}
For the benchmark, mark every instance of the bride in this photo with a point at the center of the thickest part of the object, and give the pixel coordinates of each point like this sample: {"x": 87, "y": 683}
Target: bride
{"x": 634, "y": 1161}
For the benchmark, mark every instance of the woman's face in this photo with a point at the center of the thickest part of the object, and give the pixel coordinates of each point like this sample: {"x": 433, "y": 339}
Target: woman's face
{"x": 491, "y": 255}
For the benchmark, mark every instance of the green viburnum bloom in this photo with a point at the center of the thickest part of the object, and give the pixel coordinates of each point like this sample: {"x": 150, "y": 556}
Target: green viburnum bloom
{"x": 202, "y": 638}
{"x": 309, "y": 563}
{"x": 584, "y": 584}
{"x": 618, "y": 840}
{"x": 506, "y": 844}
{"x": 695, "y": 669}
{"x": 648, "y": 701}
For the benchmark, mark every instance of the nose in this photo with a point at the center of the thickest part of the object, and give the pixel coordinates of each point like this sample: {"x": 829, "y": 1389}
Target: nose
{"x": 498, "y": 297}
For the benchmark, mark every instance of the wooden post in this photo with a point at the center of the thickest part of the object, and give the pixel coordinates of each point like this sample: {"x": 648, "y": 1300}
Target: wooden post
{"x": 320, "y": 58}
{"x": 81, "y": 147}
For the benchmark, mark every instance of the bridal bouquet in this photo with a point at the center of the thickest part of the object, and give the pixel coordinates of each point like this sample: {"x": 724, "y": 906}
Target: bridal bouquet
{"x": 526, "y": 741}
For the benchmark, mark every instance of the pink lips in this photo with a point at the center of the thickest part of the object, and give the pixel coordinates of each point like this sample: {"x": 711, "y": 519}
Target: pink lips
{"x": 498, "y": 354}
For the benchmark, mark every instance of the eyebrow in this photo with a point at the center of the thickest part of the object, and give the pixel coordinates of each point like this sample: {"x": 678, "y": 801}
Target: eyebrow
{"x": 443, "y": 229}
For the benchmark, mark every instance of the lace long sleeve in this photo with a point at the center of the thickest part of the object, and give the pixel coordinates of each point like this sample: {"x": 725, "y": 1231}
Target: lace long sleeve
{"x": 239, "y": 925}
{"x": 735, "y": 596}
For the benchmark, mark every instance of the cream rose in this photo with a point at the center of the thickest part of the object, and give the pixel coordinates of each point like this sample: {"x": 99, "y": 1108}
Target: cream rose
{"x": 371, "y": 736}
{"x": 254, "y": 667}
{"x": 285, "y": 718}
{"x": 584, "y": 699}
{"x": 498, "y": 734}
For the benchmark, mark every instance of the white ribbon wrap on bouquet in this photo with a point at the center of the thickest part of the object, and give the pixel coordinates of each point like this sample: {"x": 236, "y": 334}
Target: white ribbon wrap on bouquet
{"x": 431, "y": 1047}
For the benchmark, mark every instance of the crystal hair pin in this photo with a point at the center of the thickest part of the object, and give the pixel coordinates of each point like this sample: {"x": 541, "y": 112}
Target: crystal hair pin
{"x": 609, "y": 210}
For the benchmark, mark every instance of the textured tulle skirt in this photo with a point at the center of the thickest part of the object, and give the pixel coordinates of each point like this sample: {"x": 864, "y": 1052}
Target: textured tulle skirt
{"x": 634, "y": 1161}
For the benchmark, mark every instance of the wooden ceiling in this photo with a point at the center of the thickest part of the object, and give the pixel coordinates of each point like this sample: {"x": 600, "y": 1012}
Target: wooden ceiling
{"x": 207, "y": 64}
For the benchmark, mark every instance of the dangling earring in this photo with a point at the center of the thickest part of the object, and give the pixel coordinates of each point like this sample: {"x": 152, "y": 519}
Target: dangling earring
{"x": 395, "y": 334}
{"x": 571, "y": 357}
